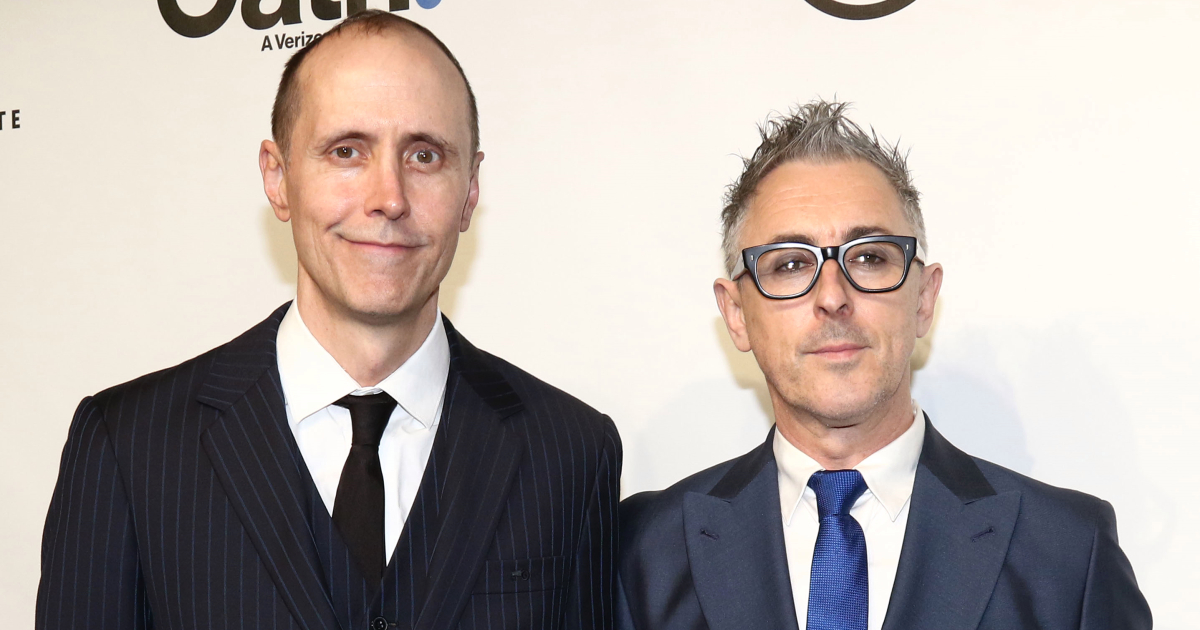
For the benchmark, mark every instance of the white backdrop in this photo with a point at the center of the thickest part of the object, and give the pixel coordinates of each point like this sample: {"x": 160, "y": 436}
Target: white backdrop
{"x": 1054, "y": 141}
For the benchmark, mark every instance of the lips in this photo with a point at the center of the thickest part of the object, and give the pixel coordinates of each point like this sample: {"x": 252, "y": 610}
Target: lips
{"x": 388, "y": 245}
{"x": 381, "y": 245}
{"x": 838, "y": 347}
{"x": 837, "y": 350}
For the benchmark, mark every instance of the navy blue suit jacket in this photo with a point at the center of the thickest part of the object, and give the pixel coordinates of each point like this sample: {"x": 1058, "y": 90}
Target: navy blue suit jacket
{"x": 182, "y": 502}
{"x": 984, "y": 548}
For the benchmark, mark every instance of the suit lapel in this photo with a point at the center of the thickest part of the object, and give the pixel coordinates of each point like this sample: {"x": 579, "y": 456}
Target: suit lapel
{"x": 955, "y": 542}
{"x": 249, "y": 447}
{"x": 478, "y": 458}
{"x": 734, "y": 537}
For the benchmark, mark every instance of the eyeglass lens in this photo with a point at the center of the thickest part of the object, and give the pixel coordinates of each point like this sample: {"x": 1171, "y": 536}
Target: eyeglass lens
{"x": 871, "y": 266}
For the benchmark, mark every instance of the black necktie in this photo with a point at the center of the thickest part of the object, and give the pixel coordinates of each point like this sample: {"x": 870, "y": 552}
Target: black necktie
{"x": 358, "y": 508}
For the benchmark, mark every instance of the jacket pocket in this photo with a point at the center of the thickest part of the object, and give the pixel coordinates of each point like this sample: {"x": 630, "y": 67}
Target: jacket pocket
{"x": 522, "y": 576}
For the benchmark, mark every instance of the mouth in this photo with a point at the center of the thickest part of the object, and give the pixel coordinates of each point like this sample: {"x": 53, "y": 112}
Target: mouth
{"x": 380, "y": 247}
{"x": 838, "y": 351}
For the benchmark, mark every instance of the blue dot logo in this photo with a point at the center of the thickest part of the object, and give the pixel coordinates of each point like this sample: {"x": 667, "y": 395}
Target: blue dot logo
{"x": 428, "y": 4}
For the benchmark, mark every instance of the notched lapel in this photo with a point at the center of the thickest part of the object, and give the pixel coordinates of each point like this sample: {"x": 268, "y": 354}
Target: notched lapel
{"x": 250, "y": 454}
{"x": 734, "y": 537}
{"x": 481, "y": 456}
{"x": 955, "y": 542}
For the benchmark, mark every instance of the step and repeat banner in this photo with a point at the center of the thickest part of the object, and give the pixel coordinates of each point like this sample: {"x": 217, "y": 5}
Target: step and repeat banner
{"x": 1054, "y": 142}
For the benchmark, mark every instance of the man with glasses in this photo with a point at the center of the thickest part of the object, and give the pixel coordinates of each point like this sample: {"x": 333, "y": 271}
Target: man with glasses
{"x": 855, "y": 513}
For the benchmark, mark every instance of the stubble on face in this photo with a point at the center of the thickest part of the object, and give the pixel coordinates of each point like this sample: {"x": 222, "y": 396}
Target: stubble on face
{"x": 839, "y": 394}
{"x": 835, "y": 357}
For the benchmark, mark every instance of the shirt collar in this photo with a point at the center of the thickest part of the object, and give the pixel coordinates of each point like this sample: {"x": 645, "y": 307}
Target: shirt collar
{"x": 888, "y": 472}
{"x": 312, "y": 379}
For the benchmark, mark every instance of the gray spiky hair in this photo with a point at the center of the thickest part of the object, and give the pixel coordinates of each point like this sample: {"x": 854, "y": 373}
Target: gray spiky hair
{"x": 816, "y": 132}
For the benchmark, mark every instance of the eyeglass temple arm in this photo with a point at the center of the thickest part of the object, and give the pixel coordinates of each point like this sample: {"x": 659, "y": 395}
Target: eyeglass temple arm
{"x": 739, "y": 268}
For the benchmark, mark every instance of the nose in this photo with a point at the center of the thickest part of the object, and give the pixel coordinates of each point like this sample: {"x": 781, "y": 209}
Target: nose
{"x": 387, "y": 194}
{"x": 831, "y": 295}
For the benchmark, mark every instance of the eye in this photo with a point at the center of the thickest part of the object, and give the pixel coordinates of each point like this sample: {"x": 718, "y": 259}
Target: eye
{"x": 797, "y": 262}
{"x": 344, "y": 153}
{"x": 789, "y": 265}
{"x": 792, "y": 264}
{"x": 871, "y": 256}
{"x": 786, "y": 262}
{"x": 426, "y": 156}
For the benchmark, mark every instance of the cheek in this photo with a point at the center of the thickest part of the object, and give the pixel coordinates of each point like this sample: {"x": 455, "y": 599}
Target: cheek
{"x": 325, "y": 201}
{"x": 775, "y": 330}
{"x": 437, "y": 205}
{"x": 896, "y": 331}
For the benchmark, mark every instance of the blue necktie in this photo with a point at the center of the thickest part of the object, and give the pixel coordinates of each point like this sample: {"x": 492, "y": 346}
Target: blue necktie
{"x": 837, "y": 593}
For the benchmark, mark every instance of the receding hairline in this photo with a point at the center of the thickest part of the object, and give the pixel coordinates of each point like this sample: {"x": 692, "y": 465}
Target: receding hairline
{"x": 402, "y": 31}
{"x": 289, "y": 105}
{"x": 815, "y": 132}
{"x": 833, "y": 160}
{"x": 825, "y": 160}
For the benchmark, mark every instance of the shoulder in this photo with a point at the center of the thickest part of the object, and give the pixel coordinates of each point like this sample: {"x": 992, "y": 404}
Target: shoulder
{"x": 1062, "y": 540}
{"x": 1064, "y": 509}
{"x": 566, "y": 442}
{"x": 166, "y": 392}
{"x": 541, "y": 407}
{"x": 1043, "y": 507}
{"x": 649, "y": 517}
{"x": 539, "y": 396}
{"x": 1067, "y": 542}
{"x": 157, "y": 407}
{"x": 148, "y": 391}
{"x": 554, "y": 414}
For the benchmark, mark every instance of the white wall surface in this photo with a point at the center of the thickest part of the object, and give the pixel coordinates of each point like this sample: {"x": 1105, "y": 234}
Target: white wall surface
{"x": 1054, "y": 142}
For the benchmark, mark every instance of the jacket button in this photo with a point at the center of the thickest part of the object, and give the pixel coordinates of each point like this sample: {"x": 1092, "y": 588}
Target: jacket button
{"x": 379, "y": 623}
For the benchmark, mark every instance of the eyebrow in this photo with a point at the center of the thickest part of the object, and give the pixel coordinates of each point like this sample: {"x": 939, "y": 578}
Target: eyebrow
{"x": 337, "y": 137}
{"x": 853, "y": 233}
{"x": 429, "y": 138}
{"x": 864, "y": 230}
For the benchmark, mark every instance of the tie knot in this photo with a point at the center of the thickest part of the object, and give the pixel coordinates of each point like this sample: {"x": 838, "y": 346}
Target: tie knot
{"x": 369, "y": 416}
{"x": 837, "y": 490}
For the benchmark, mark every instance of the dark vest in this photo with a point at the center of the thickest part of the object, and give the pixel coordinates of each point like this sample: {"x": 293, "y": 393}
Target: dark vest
{"x": 357, "y": 604}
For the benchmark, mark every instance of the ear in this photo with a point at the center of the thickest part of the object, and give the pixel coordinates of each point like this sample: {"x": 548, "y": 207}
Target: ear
{"x": 729, "y": 301}
{"x": 472, "y": 194}
{"x": 271, "y": 165}
{"x": 931, "y": 285}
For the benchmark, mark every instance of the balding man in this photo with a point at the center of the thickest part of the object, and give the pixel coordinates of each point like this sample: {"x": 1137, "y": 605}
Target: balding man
{"x": 352, "y": 461}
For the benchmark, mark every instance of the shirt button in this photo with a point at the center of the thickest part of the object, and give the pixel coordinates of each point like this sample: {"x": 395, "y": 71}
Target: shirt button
{"x": 379, "y": 623}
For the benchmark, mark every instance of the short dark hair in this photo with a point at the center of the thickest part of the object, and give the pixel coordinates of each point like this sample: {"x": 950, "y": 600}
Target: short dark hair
{"x": 369, "y": 22}
{"x": 816, "y": 132}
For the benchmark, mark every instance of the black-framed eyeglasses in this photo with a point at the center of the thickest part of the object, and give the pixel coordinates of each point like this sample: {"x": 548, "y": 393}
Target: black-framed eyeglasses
{"x": 872, "y": 264}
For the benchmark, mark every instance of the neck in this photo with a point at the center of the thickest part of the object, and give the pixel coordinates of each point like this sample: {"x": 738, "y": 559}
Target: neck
{"x": 368, "y": 348}
{"x": 842, "y": 443}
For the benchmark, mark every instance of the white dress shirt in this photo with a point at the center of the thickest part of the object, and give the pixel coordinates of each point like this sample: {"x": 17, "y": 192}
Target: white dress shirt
{"x": 882, "y": 511}
{"x": 312, "y": 381}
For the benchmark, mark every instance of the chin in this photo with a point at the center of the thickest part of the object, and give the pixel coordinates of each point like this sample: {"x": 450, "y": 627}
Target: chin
{"x": 378, "y": 305}
{"x": 839, "y": 404}
{"x": 386, "y": 310}
{"x": 839, "y": 415}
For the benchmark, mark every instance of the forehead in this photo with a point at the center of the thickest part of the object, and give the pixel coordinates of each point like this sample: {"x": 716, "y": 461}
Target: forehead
{"x": 393, "y": 78}
{"x": 823, "y": 202}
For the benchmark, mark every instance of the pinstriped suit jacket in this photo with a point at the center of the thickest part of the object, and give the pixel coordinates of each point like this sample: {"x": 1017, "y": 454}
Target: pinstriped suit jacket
{"x": 181, "y": 503}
